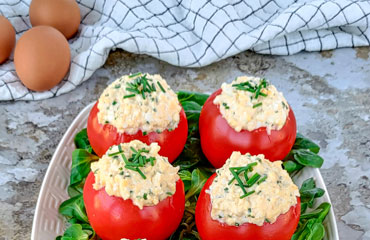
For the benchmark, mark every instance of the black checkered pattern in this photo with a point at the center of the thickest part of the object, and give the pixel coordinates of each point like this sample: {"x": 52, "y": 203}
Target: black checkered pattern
{"x": 192, "y": 33}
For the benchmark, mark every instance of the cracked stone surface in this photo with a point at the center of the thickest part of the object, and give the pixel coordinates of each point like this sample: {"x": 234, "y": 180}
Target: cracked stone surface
{"x": 329, "y": 92}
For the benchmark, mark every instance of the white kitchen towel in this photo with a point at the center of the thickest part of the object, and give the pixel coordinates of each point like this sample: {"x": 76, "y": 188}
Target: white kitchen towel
{"x": 192, "y": 33}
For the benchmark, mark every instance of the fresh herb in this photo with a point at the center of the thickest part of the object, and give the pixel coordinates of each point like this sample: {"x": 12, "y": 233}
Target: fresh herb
{"x": 129, "y": 96}
{"x": 310, "y": 224}
{"x": 257, "y": 105}
{"x": 304, "y": 153}
{"x": 78, "y": 232}
{"x": 135, "y": 75}
{"x": 160, "y": 86}
{"x": 249, "y": 182}
{"x": 225, "y": 105}
{"x": 253, "y": 88}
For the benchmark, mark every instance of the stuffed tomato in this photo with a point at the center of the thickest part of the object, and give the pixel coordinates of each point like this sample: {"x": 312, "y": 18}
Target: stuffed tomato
{"x": 142, "y": 107}
{"x": 249, "y": 198}
{"x": 248, "y": 115}
{"x": 132, "y": 192}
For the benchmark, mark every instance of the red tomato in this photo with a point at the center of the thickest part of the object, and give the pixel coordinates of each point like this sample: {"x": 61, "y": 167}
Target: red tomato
{"x": 219, "y": 140}
{"x": 113, "y": 218}
{"x": 101, "y": 137}
{"x": 209, "y": 229}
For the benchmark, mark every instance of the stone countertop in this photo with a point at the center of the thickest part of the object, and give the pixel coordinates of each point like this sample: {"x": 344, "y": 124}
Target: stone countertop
{"x": 329, "y": 92}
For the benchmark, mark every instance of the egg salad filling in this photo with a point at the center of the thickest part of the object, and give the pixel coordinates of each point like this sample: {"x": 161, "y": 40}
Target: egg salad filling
{"x": 251, "y": 189}
{"x": 139, "y": 102}
{"x": 136, "y": 171}
{"x": 249, "y": 103}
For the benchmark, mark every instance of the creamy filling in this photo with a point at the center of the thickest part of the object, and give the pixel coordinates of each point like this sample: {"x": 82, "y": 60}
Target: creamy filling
{"x": 136, "y": 171}
{"x": 249, "y": 103}
{"x": 263, "y": 199}
{"x": 139, "y": 102}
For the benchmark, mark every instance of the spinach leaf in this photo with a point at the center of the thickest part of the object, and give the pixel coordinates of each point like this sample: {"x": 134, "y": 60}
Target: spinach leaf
{"x": 185, "y": 176}
{"x": 310, "y": 224}
{"x": 192, "y": 110}
{"x": 307, "y": 158}
{"x": 199, "y": 176}
{"x": 82, "y": 141}
{"x": 78, "y": 232}
{"x": 199, "y": 98}
{"x": 292, "y": 166}
{"x": 74, "y": 208}
{"x": 81, "y": 160}
{"x": 309, "y": 192}
{"x": 304, "y": 143}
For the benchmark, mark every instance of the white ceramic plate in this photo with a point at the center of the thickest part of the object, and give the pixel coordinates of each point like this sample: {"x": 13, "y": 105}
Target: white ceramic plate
{"x": 48, "y": 223}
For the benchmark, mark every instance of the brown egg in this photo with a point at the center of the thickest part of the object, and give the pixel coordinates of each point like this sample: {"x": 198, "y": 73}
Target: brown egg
{"x": 7, "y": 39}
{"x": 64, "y": 15}
{"x": 42, "y": 58}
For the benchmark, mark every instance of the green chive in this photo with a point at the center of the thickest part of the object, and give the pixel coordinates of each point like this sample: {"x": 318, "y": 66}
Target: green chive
{"x": 152, "y": 160}
{"x": 145, "y": 133}
{"x": 114, "y": 154}
{"x": 114, "y": 103}
{"x": 238, "y": 180}
{"x": 257, "y": 105}
{"x": 145, "y": 196}
{"x": 129, "y": 96}
{"x": 135, "y": 75}
{"x": 262, "y": 180}
{"x": 247, "y": 194}
{"x": 253, "y": 179}
{"x": 160, "y": 86}
{"x": 141, "y": 173}
{"x": 133, "y": 149}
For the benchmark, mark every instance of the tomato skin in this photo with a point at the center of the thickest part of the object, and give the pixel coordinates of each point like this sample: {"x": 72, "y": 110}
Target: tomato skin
{"x": 219, "y": 140}
{"x": 282, "y": 229}
{"x": 101, "y": 137}
{"x": 113, "y": 218}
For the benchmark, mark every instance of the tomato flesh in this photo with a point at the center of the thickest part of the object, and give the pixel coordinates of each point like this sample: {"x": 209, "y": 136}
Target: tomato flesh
{"x": 282, "y": 229}
{"x": 219, "y": 140}
{"x": 114, "y": 218}
{"x": 101, "y": 137}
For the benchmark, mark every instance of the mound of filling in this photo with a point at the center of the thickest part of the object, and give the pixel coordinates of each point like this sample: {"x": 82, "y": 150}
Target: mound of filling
{"x": 136, "y": 171}
{"x": 251, "y": 189}
{"x": 249, "y": 103}
{"x": 139, "y": 102}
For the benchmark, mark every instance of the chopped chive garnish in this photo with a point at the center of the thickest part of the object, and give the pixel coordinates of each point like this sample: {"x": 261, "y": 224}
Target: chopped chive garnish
{"x": 133, "y": 149}
{"x": 257, "y": 105}
{"x": 169, "y": 193}
{"x": 114, "y": 154}
{"x": 117, "y": 86}
{"x": 141, "y": 173}
{"x": 160, "y": 86}
{"x": 145, "y": 196}
{"x": 129, "y": 96}
{"x": 253, "y": 179}
{"x": 247, "y": 86}
{"x": 135, "y": 75}
{"x": 114, "y": 103}
{"x": 225, "y": 105}
{"x": 145, "y": 133}
{"x": 235, "y": 171}
{"x": 262, "y": 180}
{"x": 247, "y": 194}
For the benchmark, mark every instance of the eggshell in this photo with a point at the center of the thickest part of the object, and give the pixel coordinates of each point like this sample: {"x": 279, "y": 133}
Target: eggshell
{"x": 42, "y": 58}
{"x": 7, "y": 39}
{"x": 63, "y": 15}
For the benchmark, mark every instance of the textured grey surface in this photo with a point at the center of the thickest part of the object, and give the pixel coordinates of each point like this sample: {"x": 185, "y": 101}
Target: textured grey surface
{"x": 329, "y": 92}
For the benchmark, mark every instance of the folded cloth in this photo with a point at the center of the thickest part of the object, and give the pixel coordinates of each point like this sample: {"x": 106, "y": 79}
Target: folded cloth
{"x": 192, "y": 33}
